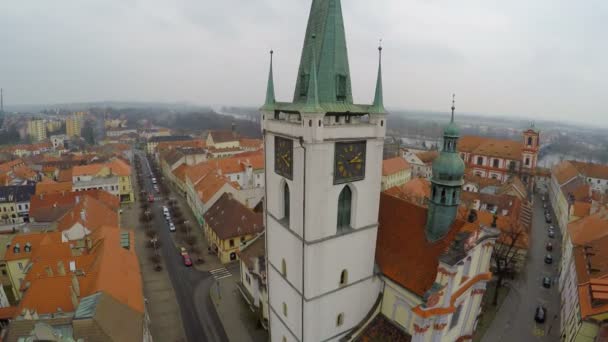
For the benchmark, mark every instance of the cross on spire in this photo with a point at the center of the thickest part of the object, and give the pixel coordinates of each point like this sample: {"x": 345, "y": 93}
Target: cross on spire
{"x": 453, "y": 105}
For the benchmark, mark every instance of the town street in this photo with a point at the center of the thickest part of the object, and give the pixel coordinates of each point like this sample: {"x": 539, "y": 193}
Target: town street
{"x": 515, "y": 319}
{"x": 192, "y": 287}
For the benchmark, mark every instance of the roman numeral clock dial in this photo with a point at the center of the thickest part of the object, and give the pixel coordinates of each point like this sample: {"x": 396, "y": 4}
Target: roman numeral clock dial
{"x": 349, "y": 161}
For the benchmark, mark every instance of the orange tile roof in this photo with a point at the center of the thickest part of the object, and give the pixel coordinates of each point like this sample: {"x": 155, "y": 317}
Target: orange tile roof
{"x": 10, "y": 165}
{"x": 428, "y": 156}
{"x": 592, "y": 276}
{"x": 24, "y": 172}
{"x": 589, "y": 228}
{"x": 581, "y": 209}
{"x": 119, "y": 167}
{"x": 591, "y": 169}
{"x": 564, "y": 172}
{"x": 169, "y": 145}
{"x": 53, "y": 187}
{"x": 85, "y": 170}
{"x": 502, "y": 148}
{"x": 402, "y": 251}
{"x": 65, "y": 175}
{"x": 180, "y": 172}
{"x": 210, "y": 185}
{"x": 96, "y": 214}
{"x": 416, "y": 190}
{"x": 394, "y": 165}
{"x": 508, "y": 226}
{"x": 33, "y": 238}
{"x": 107, "y": 267}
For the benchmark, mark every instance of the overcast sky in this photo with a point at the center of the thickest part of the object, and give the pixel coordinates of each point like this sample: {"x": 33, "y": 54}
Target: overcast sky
{"x": 543, "y": 58}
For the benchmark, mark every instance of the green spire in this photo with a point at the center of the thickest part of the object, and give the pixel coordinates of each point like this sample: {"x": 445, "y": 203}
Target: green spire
{"x": 270, "y": 99}
{"x": 312, "y": 96}
{"x": 330, "y": 53}
{"x": 378, "y": 106}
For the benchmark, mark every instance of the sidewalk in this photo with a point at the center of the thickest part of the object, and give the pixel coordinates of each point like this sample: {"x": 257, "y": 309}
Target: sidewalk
{"x": 165, "y": 318}
{"x": 239, "y": 322}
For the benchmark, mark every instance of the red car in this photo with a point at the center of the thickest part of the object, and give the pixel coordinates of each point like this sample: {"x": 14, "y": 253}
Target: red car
{"x": 150, "y": 198}
{"x": 187, "y": 260}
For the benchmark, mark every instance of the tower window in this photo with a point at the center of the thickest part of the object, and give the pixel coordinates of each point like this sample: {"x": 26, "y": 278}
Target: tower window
{"x": 286, "y": 207}
{"x": 443, "y": 198}
{"x": 495, "y": 163}
{"x": 284, "y": 309}
{"x": 341, "y": 87}
{"x": 340, "y": 319}
{"x": 479, "y": 160}
{"x": 381, "y": 123}
{"x": 283, "y": 268}
{"x": 343, "y": 277}
{"x": 529, "y": 141}
{"x": 309, "y": 123}
{"x": 344, "y": 207}
{"x": 453, "y": 196}
{"x": 527, "y": 161}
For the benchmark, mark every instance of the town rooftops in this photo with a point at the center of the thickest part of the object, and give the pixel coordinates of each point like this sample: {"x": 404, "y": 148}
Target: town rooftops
{"x": 591, "y": 170}
{"x": 416, "y": 190}
{"x": 394, "y": 165}
{"x": 254, "y": 252}
{"x": 53, "y": 206}
{"x": 159, "y": 139}
{"x": 564, "y": 172}
{"x": 382, "y": 329}
{"x": 229, "y": 218}
{"x": 251, "y": 143}
{"x": 591, "y": 271}
{"x": 428, "y": 156}
{"x": 589, "y": 228}
{"x": 89, "y": 212}
{"x": 223, "y": 136}
{"x": 52, "y": 187}
{"x": 403, "y": 252}
{"x": 501, "y": 148}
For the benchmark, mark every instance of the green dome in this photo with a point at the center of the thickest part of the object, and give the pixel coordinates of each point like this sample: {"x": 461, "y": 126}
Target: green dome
{"x": 448, "y": 168}
{"x": 451, "y": 130}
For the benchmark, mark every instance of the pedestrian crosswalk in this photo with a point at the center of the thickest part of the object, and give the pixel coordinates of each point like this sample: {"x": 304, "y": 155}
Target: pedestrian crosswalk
{"x": 220, "y": 273}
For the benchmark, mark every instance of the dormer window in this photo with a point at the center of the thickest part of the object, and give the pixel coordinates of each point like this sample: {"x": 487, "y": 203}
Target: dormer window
{"x": 341, "y": 88}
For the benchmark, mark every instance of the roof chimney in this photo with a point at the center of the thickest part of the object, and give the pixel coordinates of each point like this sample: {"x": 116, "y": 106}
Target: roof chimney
{"x": 83, "y": 215}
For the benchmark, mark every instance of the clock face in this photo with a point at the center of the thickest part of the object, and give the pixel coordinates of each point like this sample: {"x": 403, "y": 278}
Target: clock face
{"x": 349, "y": 161}
{"x": 283, "y": 157}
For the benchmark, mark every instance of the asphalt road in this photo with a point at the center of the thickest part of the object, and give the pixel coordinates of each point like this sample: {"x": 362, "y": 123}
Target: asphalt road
{"x": 200, "y": 319}
{"x": 515, "y": 319}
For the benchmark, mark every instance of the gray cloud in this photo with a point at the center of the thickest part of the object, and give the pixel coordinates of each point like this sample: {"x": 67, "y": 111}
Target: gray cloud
{"x": 544, "y": 58}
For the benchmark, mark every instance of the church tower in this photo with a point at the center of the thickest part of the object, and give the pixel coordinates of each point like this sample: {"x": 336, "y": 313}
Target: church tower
{"x": 446, "y": 184}
{"x": 323, "y": 158}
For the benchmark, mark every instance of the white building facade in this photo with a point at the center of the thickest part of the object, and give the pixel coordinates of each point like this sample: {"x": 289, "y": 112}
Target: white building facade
{"x": 323, "y": 157}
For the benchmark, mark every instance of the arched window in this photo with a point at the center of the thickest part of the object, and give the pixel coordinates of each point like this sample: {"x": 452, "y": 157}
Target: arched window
{"x": 344, "y": 277}
{"x": 340, "y": 319}
{"x": 344, "y": 206}
{"x": 529, "y": 141}
{"x": 286, "y": 203}
{"x": 443, "y": 196}
{"x": 434, "y": 193}
{"x": 284, "y": 268}
{"x": 284, "y": 309}
{"x": 453, "y": 196}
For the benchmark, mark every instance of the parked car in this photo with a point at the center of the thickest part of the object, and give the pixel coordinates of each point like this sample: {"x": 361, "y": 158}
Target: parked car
{"x": 187, "y": 260}
{"x": 551, "y": 234}
{"x": 543, "y": 198}
{"x": 547, "y": 282}
{"x": 150, "y": 198}
{"x": 548, "y": 219}
{"x": 171, "y": 226}
{"x": 153, "y": 180}
{"x": 540, "y": 314}
{"x": 548, "y": 259}
{"x": 545, "y": 205}
{"x": 549, "y": 246}
{"x": 551, "y": 227}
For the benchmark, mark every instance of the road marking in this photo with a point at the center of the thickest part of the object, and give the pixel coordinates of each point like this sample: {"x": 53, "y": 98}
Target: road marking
{"x": 220, "y": 273}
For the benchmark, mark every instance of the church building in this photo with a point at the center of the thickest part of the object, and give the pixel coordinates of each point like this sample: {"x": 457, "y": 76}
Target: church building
{"x": 344, "y": 259}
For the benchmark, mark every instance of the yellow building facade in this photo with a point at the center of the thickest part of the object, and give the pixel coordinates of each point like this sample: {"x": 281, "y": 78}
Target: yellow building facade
{"x": 36, "y": 129}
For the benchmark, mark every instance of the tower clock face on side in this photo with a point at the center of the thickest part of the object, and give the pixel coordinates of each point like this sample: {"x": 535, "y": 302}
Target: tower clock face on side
{"x": 349, "y": 161}
{"x": 283, "y": 157}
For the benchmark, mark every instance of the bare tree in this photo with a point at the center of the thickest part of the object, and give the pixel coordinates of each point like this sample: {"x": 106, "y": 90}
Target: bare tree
{"x": 505, "y": 252}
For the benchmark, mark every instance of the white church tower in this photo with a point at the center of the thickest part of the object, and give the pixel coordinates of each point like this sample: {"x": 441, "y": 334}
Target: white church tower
{"x": 323, "y": 169}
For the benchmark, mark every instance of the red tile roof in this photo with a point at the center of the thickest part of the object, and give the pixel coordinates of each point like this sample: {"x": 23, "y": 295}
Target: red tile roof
{"x": 428, "y": 156}
{"x": 229, "y": 218}
{"x": 591, "y": 169}
{"x": 402, "y": 250}
{"x": 394, "y": 165}
{"x": 89, "y": 212}
{"x": 416, "y": 190}
{"x": 508, "y": 149}
{"x": 589, "y": 228}
{"x": 53, "y": 187}
{"x": 564, "y": 172}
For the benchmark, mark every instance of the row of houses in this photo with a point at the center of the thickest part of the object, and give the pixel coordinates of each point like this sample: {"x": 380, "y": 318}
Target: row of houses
{"x": 577, "y": 192}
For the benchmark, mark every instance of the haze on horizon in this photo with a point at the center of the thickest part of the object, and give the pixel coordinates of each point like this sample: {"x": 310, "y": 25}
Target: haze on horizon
{"x": 545, "y": 59}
